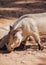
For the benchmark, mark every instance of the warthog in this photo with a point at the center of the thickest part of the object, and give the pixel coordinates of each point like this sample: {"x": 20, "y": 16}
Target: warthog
{"x": 35, "y": 24}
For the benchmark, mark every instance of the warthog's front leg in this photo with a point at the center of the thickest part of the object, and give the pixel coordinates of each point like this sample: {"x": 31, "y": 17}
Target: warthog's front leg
{"x": 35, "y": 32}
{"x": 37, "y": 39}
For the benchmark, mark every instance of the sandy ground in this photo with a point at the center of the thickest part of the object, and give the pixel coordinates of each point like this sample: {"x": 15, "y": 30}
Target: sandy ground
{"x": 31, "y": 56}
{"x": 26, "y": 57}
{"x": 9, "y": 12}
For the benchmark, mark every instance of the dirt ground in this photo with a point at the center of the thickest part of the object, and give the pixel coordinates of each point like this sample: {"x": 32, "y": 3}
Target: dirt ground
{"x": 10, "y": 10}
{"x": 30, "y": 56}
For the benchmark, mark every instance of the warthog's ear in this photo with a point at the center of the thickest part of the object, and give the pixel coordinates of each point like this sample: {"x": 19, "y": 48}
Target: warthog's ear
{"x": 11, "y": 27}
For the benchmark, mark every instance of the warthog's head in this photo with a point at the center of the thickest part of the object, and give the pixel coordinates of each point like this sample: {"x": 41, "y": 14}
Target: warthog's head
{"x": 16, "y": 37}
{"x": 12, "y": 38}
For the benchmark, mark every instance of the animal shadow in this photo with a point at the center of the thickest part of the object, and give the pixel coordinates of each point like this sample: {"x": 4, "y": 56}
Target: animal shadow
{"x": 21, "y": 47}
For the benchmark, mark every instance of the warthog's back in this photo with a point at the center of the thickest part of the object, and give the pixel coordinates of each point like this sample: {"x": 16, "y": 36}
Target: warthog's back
{"x": 39, "y": 19}
{"x": 41, "y": 23}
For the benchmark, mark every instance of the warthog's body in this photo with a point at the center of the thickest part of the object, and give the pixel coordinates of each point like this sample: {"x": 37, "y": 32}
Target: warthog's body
{"x": 31, "y": 21}
{"x": 34, "y": 23}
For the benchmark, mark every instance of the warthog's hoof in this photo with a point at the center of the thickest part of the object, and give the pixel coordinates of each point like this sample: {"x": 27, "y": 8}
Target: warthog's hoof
{"x": 40, "y": 47}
